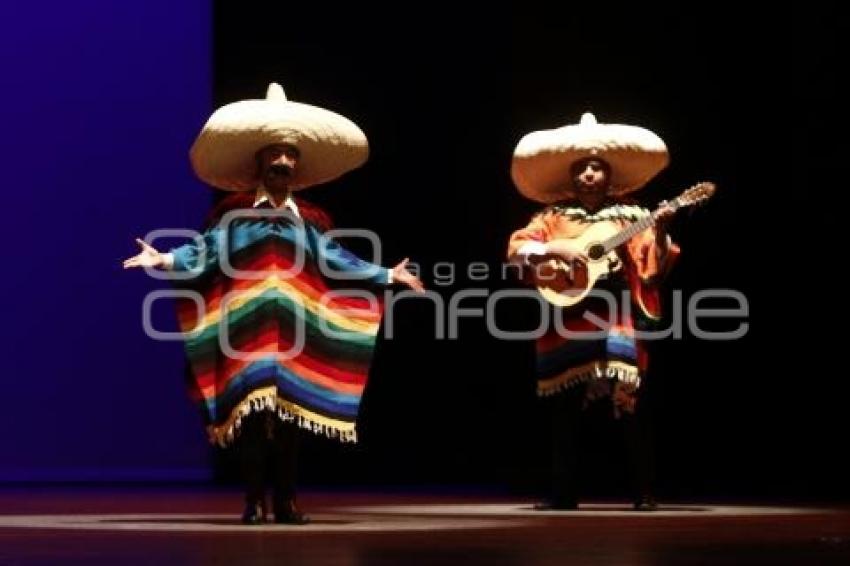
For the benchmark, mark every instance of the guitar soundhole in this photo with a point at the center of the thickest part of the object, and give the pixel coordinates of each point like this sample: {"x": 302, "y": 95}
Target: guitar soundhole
{"x": 596, "y": 251}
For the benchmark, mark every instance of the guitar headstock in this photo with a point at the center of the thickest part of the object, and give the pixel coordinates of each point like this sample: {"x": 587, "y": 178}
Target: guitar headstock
{"x": 695, "y": 195}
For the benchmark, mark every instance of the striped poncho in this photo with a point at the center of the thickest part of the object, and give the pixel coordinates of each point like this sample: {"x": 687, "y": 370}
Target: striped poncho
{"x": 277, "y": 317}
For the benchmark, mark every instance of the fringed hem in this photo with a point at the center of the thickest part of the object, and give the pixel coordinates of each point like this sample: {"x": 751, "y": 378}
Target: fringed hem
{"x": 616, "y": 371}
{"x": 224, "y": 434}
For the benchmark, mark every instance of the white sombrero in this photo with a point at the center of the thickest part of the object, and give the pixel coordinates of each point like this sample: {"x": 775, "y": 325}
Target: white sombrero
{"x": 542, "y": 160}
{"x": 224, "y": 153}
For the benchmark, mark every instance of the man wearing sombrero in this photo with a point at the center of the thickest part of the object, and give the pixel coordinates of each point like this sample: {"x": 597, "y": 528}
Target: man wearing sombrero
{"x": 284, "y": 333}
{"x": 582, "y": 172}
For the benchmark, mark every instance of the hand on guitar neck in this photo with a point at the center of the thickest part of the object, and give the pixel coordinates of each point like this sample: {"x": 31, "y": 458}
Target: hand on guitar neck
{"x": 663, "y": 215}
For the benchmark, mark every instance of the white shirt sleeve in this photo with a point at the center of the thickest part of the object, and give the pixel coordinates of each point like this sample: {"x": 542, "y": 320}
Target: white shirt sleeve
{"x": 529, "y": 249}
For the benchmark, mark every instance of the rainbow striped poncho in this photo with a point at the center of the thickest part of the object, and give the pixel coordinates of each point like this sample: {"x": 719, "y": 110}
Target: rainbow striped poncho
{"x": 277, "y": 317}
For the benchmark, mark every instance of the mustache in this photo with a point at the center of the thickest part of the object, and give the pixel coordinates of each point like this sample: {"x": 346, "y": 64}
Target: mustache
{"x": 280, "y": 170}
{"x": 583, "y": 183}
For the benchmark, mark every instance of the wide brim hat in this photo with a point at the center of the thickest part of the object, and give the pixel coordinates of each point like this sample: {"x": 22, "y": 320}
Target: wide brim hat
{"x": 542, "y": 160}
{"x": 224, "y": 154}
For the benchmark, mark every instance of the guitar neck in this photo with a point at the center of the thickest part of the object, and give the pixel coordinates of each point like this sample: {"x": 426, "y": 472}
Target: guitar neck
{"x": 694, "y": 195}
{"x": 628, "y": 233}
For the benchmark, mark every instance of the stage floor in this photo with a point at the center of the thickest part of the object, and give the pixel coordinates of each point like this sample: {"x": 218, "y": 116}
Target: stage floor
{"x": 130, "y": 526}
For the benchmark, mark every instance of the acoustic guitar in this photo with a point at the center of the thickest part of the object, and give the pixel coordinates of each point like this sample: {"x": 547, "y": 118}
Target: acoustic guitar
{"x": 565, "y": 284}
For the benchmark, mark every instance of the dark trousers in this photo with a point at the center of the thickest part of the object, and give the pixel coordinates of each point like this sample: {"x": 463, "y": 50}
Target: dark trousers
{"x": 268, "y": 446}
{"x": 565, "y": 418}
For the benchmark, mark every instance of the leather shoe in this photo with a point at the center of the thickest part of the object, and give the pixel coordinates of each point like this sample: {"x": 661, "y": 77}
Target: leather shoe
{"x": 645, "y": 503}
{"x": 557, "y": 505}
{"x": 254, "y": 514}
{"x": 287, "y": 513}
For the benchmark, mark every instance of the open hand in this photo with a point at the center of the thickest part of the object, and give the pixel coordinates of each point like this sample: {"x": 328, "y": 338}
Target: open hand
{"x": 149, "y": 257}
{"x": 402, "y": 275}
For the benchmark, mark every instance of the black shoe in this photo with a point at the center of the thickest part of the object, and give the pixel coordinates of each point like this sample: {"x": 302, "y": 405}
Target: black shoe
{"x": 287, "y": 513}
{"x": 254, "y": 514}
{"x": 557, "y": 505}
{"x": 645, "y": 503}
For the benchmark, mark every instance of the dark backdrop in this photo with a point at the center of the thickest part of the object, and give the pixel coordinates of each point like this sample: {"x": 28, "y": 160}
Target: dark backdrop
{"x": 444, "y": 95}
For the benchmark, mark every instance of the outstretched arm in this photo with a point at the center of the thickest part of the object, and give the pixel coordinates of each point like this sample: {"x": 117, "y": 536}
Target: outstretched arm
{"x": 189, "y": 256}
{"x": 400, "y": 274}
{"x": 345, "y": 265}
{"x": 149, "y": 257}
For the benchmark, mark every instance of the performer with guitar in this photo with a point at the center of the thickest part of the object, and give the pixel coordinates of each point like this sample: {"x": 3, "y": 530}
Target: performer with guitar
{"x": 584, "y": 252}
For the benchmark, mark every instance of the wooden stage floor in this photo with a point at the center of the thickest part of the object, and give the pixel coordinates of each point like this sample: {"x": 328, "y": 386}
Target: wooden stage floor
{"x": 128, "y": 526}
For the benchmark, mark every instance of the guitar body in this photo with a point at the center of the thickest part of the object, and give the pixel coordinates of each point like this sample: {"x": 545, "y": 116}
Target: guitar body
{"x": 566, "y": 285}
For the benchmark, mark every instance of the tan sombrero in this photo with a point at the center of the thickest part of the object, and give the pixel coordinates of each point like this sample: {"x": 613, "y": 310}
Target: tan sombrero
{"x": 542, "y": 160}
{"x": 224, "y": 153}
